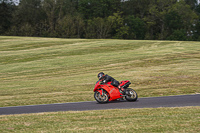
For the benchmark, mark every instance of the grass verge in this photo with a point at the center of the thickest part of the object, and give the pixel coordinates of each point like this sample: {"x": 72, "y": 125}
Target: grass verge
{"x": 127, "y": 120}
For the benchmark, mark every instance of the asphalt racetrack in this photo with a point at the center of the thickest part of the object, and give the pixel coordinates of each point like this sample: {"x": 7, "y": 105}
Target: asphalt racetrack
{"x": 150, "y": 102}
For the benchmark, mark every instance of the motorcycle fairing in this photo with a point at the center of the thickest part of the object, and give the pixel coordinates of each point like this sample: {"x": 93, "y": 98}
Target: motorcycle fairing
{"x": 125, "y": 83}
{"x": 112, "y": 91}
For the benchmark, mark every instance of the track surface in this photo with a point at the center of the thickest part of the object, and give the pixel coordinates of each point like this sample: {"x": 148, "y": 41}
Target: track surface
{"x": 151, "y": 102}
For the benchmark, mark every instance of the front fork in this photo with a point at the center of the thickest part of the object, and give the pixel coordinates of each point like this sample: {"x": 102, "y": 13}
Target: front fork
{"x": 102, "y": 93}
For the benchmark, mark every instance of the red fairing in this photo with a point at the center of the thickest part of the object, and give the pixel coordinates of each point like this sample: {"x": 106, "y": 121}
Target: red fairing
{"x": 112, "y": 91}
{"x": 122, "y": 83}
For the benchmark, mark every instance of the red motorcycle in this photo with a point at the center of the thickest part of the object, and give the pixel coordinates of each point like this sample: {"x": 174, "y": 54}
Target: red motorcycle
{"x": 104, "y": 93}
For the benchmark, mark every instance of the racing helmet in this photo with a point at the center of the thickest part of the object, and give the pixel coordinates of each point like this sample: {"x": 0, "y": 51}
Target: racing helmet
{"x": 100, "y": 75}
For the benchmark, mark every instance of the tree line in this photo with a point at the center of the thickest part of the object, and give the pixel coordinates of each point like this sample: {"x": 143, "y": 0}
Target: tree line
{"x": 132, "y": 19}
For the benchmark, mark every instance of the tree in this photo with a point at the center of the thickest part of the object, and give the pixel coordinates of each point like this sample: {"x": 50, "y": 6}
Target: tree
{"x": 6, "y": 9}
{"x": 133, "y": 19}
{"x": 27, "y": 15}
{"x": 196, "y": 33}
{"x": 98, "y": 28}
{"x": 156, "y": 18}
{"x": 173, "y": 22}
{"x": 29, "y": 11}
{"x": 119, "y": 29}
{"x": 192, "y": 3}
{"x": 178, "y": 35}
{"x": 70, "y": 26}
{"x": 98, "y": 8}
{"x": 57, "y": 11}
{"x": 137, "y": 27}
{"x": 138, "y": 8}
{"x": 187, "y": 15}
{"x": 51, "y": 10}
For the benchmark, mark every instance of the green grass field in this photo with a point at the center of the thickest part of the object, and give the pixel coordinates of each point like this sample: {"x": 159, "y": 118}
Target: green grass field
{"x": 168, "y": 120}
{"x": 50, "y": 70}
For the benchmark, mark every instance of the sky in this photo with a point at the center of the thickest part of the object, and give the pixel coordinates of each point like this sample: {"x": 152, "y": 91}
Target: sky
{"x": 16, "y": 1}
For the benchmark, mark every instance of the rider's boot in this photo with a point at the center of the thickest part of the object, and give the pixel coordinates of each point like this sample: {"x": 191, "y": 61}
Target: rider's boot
{"x": 122, "y": 90}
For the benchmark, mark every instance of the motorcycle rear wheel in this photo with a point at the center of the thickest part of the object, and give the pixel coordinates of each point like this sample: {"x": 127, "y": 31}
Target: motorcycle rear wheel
{"x": 131, "y": 95}
{"x": 101, "y": 98}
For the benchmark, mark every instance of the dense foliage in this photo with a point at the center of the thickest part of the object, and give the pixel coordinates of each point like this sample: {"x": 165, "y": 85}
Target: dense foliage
{"x": 133, "y": 19}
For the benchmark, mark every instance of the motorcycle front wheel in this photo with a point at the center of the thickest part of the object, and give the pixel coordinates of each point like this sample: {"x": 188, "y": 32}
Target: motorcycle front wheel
{"x": 131, "y": 95}
{"x": 101, "y": 98}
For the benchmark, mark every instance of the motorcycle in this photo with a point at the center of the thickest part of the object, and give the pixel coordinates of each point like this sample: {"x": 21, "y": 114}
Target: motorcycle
{"x": 105, "y": 92}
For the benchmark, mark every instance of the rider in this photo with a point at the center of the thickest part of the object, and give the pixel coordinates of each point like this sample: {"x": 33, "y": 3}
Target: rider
{"x": 106, "y": 78}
